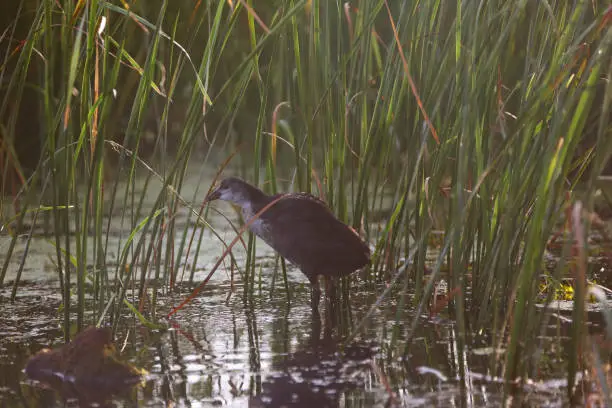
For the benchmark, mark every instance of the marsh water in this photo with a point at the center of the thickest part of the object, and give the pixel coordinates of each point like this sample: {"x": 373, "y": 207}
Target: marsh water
{"x": 221, "y": 350}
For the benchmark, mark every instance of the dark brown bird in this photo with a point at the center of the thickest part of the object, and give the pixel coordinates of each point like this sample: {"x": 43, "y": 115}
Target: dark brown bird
{"x": 301, "y": 228}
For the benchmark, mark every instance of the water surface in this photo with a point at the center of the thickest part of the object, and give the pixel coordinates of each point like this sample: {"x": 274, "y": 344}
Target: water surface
{"x": 270, "y": 350}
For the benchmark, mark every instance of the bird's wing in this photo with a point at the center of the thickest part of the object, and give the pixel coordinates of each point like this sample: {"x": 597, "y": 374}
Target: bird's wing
{"x": 306, "y": 232}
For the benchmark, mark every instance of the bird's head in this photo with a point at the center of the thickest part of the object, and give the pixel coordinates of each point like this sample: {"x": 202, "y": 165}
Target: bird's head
{"x": 231, "y": 189}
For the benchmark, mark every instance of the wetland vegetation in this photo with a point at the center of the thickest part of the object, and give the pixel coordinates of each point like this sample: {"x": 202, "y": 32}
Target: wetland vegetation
{"x": 467, "y": 141}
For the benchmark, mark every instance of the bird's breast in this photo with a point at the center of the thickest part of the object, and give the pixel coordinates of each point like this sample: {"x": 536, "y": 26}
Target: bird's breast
{"x": 257, "y": 227}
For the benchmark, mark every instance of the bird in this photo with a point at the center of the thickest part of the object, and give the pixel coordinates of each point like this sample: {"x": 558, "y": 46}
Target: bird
{"x": 301, "y": 228}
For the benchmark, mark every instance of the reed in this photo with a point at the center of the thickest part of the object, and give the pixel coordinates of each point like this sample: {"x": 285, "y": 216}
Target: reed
{"x": 462, "y": 120}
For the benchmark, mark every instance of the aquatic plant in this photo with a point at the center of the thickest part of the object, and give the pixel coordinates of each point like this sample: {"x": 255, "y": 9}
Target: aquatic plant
{"x": 483, "y": 123}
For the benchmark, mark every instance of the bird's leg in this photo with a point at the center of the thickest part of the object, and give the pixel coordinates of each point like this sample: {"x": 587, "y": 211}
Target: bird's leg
{"x": 315, "y": 334}
{"x": 315, "y": 294}
{"x": 330, "y": 289}
{"x": 332, "y": 300}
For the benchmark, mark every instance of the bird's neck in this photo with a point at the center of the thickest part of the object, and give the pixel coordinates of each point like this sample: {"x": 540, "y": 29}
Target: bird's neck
{"x": 254, "y": 200}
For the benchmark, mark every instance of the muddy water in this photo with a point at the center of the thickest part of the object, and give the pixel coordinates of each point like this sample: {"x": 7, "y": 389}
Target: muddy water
{"x": 221, "y": 350}
{"x": 266, "y": 353}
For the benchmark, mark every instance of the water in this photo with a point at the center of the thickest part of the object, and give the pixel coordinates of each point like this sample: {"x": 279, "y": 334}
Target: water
{"x": 230, "y": 354}
{"x": 221, "y": 350}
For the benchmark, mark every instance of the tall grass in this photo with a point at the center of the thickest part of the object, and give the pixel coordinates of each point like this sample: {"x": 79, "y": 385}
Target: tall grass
{"x": 463, "y": 117}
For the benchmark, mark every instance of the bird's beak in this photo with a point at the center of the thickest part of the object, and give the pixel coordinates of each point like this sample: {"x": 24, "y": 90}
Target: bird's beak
{"x": 215, "y": 194}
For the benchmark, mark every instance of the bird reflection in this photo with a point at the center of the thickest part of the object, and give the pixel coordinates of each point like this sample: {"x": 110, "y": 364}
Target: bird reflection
{"x": 318, "y": 375}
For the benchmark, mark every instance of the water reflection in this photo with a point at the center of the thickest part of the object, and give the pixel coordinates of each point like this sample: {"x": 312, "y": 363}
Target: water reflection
{"x": 268, "y": 351}
{"x": 320, "y": 374}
